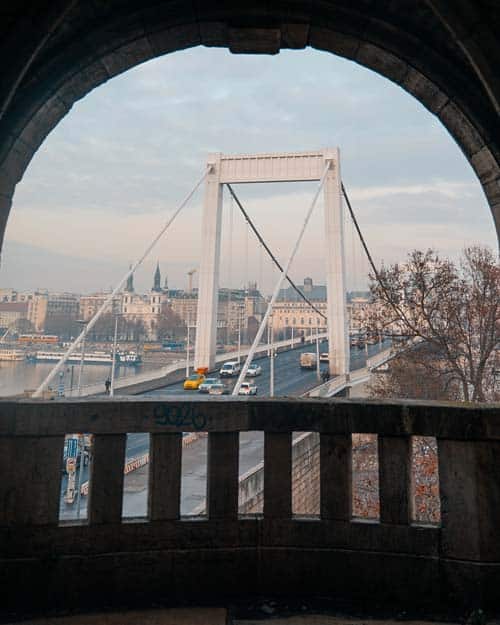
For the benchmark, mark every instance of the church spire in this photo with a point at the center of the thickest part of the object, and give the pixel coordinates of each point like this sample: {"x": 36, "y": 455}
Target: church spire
{"x": 157, "y": 279}
{"x": 130, "y": 282}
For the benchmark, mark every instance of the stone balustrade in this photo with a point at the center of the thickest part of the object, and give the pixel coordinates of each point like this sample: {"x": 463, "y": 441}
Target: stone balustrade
{"x": 107, "y": 560}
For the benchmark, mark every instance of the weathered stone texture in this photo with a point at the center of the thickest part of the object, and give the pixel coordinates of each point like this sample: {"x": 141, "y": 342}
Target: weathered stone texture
{"x": 390, "y": 559}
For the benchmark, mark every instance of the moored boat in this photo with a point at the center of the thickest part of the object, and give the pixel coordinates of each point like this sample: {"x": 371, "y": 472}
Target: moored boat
{"x": 130, "y": 358}
{"x": 90, "y": 358}
{"x": 11, "y": 354}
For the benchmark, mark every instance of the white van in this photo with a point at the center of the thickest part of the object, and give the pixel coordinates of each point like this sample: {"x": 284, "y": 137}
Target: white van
{"x": 230, "y": 369}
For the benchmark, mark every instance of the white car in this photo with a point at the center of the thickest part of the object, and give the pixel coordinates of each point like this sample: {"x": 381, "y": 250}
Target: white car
{"x": 324, "y": 357}
{"x": 218, "y": 389}
{"x": 248, "y": 388}
{"x": 230, "y": 369}
{"x": 253, "y": 370}
{"x": 207, "y": 384}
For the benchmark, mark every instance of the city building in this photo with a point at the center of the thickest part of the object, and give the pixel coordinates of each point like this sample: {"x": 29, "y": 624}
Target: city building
{"x": 37, "y": 310}
{"x": 36, "y": 301}
{"x": 144, "y": 308}
{"x": 63, "y": 304}
{"x": 291, "y": 312}
{"x": 234, "y": 310}
{"x": 90, "y": 304}
{"x": 11, "y": 313}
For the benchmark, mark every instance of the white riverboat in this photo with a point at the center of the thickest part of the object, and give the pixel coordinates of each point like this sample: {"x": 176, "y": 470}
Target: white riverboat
{"x": 10, "y": 354}
{"x": 130, "y": 358}
{"x": 90, "y": 358}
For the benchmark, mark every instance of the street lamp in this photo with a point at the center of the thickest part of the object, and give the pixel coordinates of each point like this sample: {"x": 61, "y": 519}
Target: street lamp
{"x": 113, "y": 362}
{"x": 239, "y": 333}
{"x": 82, "y": 323}
{"x": 271, "y": 356}
{"x": 318, "y": 370}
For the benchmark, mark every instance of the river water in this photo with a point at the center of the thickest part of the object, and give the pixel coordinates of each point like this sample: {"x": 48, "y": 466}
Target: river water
{"x": 16, "y": 377}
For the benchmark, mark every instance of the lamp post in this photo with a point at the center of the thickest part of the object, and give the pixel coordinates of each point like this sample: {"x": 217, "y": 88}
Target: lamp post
{"x": 318, "y": 370}
{"x": 271, "y": 356}
{"x": 239, "y": 333}
{"x": 83, "y": 323}
{"x": 187, "y": 348}
{"x": 113, "y": 362}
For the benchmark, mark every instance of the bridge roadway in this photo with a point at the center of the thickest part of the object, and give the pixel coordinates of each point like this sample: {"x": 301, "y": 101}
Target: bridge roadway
{"x": 290, "y": 380}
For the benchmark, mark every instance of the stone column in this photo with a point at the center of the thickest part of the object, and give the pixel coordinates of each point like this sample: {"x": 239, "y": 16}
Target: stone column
{"x": 469, "y": 482}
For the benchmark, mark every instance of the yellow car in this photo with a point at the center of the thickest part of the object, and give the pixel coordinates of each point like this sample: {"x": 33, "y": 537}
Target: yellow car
{"x": 193, "y": 382}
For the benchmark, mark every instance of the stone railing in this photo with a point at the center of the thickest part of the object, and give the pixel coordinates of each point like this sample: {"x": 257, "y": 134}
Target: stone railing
{"x": 109, "y": 560}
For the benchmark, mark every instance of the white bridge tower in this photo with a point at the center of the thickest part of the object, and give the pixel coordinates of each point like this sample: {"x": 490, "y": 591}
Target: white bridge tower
{"x": 287, "y": 167}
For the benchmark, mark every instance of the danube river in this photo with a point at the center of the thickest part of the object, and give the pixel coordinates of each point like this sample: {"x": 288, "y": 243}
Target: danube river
{"x": 17, "y": 377}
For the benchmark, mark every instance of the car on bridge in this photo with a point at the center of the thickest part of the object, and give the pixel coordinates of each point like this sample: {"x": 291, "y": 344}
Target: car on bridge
{"x": 230, "y": 369}
{"x": 253, "y": 370}
{"x": 219, "y": 389}
{"x": 193, "y": 382}
{"x": 307, "y": 360}
{"x": 248, "y": 388}
{"x": 207, "y": 384}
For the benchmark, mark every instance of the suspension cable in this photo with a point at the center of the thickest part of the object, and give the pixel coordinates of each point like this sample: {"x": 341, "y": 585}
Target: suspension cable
{"x": 117, "y": 289}
{"x": 393, "y": 305}
{"x": 279, "y": 284}
{"x": 272, "y": 256}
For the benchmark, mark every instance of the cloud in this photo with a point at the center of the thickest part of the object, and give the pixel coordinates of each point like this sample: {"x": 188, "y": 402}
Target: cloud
{"x": 121, "y": 160}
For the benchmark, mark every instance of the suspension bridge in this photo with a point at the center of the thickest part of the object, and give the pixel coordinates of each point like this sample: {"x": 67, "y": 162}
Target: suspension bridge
{"x": 346, "y": 258}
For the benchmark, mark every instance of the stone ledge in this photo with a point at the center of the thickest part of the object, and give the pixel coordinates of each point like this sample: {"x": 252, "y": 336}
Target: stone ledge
{"x": 174, "y": 616}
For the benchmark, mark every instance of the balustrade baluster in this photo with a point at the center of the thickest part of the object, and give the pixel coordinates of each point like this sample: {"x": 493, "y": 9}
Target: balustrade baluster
{"x": 336, "y": 476}
{"x": 278, "y": 475}
{"x": 165, "y": 469}
{"x": 30, "y": 484}
{"x": 106, "y": 478}
{"x": 469, "y": 485}
{"x": 394, "y": 461}
{"x": 222, "y": 475}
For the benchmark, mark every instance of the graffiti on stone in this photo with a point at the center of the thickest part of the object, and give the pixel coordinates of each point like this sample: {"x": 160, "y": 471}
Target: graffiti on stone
{"x": 179, "y": 416}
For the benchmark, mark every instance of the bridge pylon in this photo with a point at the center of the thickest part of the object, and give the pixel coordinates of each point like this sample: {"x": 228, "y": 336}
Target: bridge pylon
{"x": 281, "y": 167}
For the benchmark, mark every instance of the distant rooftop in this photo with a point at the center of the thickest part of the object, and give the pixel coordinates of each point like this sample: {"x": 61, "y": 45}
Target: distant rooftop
{"x": 315, "y": 293}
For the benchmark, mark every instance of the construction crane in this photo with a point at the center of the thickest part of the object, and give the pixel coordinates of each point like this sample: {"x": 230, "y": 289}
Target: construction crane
{"x": 190, "y": 280}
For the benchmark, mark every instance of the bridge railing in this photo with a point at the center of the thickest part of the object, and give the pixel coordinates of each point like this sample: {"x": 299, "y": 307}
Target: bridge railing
{"x": 108, "y": 559}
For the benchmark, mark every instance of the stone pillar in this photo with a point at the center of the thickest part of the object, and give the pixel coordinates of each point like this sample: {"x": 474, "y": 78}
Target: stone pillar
{"x": 469, "y": 482}
{"x": 208, "y": 285}
{"x": 338, "y": 331}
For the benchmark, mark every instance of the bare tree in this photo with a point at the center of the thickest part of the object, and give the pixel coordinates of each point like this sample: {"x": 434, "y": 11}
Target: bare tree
{"x": 169, "y": 325}
{"x": 418, "y": 373}
{"x": 62, "y": 324}
{"x": 24, "y": 326}
{"x": 453, "y": 308}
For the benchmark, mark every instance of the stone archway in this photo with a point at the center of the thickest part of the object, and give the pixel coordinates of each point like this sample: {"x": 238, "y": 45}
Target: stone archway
{"x": 444, "y": 57}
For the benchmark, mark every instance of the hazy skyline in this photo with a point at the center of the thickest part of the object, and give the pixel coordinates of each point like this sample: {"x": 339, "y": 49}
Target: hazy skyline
{"x": 115, "y": 168}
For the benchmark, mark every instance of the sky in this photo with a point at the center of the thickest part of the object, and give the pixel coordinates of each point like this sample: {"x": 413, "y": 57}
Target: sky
{"x": 117, "y": 166}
